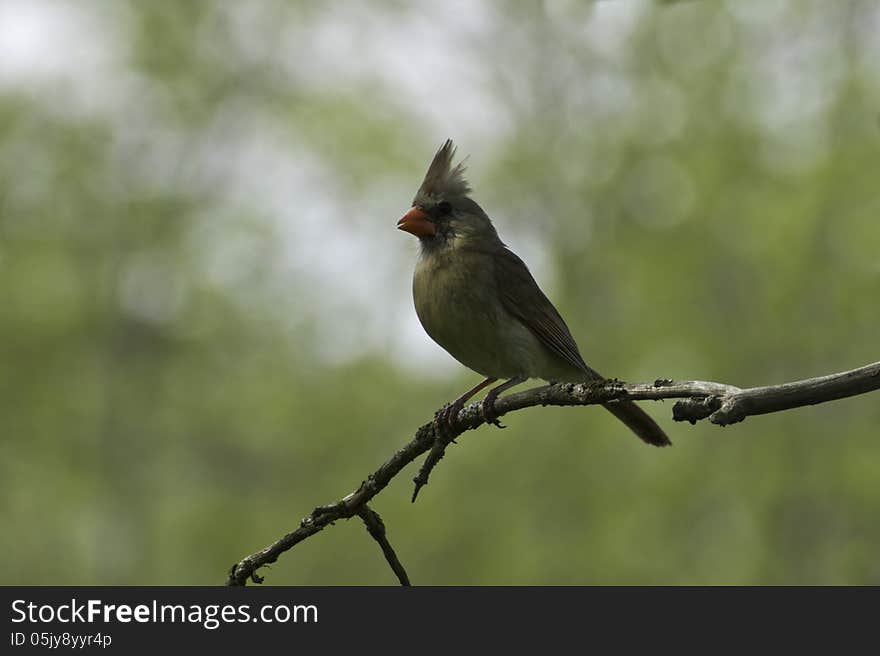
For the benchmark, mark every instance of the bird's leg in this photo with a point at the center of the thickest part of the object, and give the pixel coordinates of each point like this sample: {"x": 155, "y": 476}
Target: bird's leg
{"x": 447, "y": 414}
{"x": 488, "y": 406}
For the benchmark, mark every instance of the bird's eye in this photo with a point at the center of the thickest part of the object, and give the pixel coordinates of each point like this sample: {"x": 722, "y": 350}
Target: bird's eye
{"x": 444, "y": 207}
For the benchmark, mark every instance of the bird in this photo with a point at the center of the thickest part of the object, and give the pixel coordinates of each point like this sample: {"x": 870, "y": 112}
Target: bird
{"x": 477, "y": 299}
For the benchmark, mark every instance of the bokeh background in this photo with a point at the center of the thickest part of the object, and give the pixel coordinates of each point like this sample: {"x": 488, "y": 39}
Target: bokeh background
{"x": 206, "y": 324}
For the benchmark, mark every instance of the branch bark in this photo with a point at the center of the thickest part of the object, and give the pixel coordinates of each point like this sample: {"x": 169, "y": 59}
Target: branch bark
{"x": 376, "y": 528}
{"x": 722, "y": 404}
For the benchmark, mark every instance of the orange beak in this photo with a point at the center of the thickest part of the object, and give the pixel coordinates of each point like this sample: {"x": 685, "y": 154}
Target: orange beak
{"x": 417, "y": 223}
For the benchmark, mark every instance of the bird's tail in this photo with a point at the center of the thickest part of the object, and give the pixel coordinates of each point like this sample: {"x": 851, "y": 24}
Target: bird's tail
{"x": 638, "y": 421}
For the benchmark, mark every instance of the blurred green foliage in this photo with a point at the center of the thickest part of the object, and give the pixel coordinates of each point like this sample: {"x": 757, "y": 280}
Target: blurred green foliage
{"x": 205, "y": 320}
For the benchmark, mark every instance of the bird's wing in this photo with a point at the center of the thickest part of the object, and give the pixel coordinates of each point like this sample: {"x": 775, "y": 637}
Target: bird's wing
{"x": 522, "y": 298}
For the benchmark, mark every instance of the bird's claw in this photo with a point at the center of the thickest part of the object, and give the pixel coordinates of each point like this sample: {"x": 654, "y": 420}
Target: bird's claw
{"x": 446, "y": 416}
{"x": 487, "y": 409}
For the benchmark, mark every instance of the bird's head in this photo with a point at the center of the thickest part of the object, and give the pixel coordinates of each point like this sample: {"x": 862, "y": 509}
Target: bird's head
{"x": 443, "y": 215}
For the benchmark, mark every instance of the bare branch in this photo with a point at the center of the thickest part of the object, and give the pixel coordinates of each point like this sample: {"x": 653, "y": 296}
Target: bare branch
{"x": 376, "y": 528}
{"x": 736, "y": 405}
{"x": 722, "y": 404}
{"x": 347, "y": 507}
{"x": 435, "y": 455}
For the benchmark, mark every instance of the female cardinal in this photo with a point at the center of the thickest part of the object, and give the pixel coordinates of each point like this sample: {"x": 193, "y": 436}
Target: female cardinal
{"x": 477, "y": 300}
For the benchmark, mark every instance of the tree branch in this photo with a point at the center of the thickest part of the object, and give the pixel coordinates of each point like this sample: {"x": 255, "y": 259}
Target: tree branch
{"x": 376, "y": 528}
{"x": 721, "y": 404}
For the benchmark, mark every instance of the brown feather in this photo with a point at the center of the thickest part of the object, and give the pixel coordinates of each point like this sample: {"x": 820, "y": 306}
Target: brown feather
{"x": 522, "y": 298}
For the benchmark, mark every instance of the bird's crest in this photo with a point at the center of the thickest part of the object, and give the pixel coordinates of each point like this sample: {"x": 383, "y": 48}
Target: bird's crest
{"x": 442, "y": 179}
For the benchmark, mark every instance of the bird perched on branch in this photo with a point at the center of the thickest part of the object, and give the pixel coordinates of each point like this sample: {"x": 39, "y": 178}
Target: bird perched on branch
{"x": 477, "y": 300}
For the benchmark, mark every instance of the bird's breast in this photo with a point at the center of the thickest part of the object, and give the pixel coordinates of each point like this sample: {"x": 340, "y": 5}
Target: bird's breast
{"x": 460, "y": 308}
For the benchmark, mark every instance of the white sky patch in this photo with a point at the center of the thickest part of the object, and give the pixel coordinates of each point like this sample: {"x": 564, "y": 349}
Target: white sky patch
{"x": 426, "y": 59}
{"x": 26, "y": 27}
{"x": 61, "y": 52}
{"x": 786, "y": 81}
{"x": 612, "y": 25}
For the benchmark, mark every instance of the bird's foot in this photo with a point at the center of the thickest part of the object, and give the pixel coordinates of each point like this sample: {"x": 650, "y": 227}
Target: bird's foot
{"x": 446, "y": 416}
{"x": 487, "y": 409}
